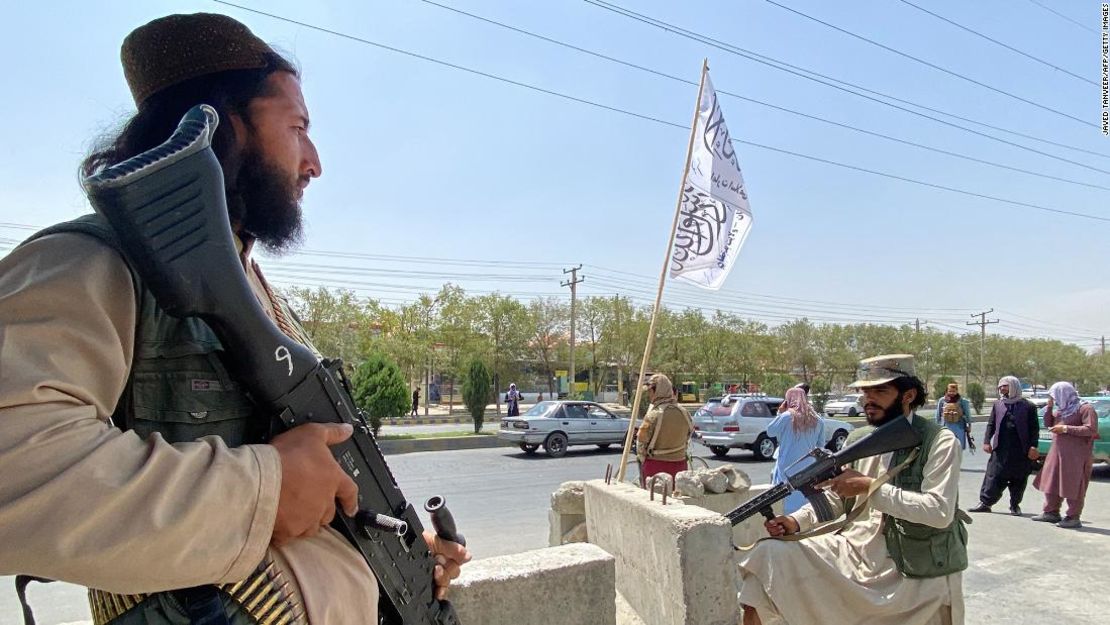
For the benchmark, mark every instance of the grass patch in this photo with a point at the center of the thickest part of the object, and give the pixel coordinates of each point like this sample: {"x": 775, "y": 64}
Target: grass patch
{"x": 452, "y": 434}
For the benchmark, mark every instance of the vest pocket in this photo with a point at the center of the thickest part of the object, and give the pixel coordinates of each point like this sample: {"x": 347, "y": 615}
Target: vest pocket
{"x": 188, "y": 396}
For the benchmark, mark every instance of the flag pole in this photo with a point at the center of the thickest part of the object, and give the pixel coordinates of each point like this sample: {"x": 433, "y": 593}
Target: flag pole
{"x": 662, "y": 281}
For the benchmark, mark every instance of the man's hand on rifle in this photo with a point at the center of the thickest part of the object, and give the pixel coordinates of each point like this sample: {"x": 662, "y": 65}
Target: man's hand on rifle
{"x": 850, "y": 483}
{"x": 781, "y": 526}
{"x": 311, "y": 480}
{"x": 449, "y": 556}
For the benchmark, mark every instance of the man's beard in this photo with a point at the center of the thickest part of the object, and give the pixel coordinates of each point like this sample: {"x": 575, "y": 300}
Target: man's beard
{"x": 265, "y": 204}
{"x": 889, "y": 412}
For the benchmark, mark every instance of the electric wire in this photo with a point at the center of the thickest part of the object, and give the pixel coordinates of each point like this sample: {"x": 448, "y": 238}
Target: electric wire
{"x": 676, "y": 125}
{"x": 939, "y": 68}
{"x": 998, "y": 43}
{"x": 762, "y": 103}
{"x": 1064, "y": 17}
{"x": 847, "y": 87}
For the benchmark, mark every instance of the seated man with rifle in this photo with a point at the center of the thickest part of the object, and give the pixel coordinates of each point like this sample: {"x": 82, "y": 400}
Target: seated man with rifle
{"x": 240, "y": 484}
{"x": 886, "y": 543}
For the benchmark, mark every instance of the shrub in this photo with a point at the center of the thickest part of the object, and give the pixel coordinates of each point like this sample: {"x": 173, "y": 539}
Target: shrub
{"x": 380, "y": 390}
{"x": 476, "y": 392}
{"x": 818, "y": 394}
{"x": 976, "y": 396}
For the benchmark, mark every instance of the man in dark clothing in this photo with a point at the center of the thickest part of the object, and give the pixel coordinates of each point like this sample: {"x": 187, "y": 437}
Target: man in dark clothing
{"x": 1011, "y": 440}
{"x": 415, "y": 402}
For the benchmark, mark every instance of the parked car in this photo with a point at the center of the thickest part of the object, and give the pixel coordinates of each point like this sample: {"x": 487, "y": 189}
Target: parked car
{"x": 740, "y": 422}
{"x": 557, "y": 425}
{"x": 850, "y": 405}
{"x": 1101, "y": 452}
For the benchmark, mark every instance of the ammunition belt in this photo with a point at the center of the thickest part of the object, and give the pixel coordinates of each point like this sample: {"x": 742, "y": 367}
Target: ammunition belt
{"x": 264, "y": 595}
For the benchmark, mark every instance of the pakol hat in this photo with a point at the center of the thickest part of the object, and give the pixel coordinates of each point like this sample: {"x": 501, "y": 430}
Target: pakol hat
{"x": 176, "y": 48}
{"x": 883, "y": 369}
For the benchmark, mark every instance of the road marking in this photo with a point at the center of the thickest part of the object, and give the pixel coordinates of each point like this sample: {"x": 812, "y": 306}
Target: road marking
{"x": 992, "y": 563}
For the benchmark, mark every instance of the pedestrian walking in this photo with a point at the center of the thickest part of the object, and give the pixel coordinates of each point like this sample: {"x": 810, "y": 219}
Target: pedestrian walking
{"x": 512, "y": 399}
{"x": 954, "y": 413}
{"x": 1067, "y": 468}
{"x": 1011, "y": 440}
{"x": 415, "y": 401}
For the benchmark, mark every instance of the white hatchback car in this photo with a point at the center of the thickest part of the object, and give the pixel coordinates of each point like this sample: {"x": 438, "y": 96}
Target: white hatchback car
{"x": 740, "y": 421}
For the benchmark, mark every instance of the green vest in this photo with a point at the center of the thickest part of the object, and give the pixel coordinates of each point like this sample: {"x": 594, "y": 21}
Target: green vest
{"x": 178, "y": 387}
{"x": 920, "y": 550}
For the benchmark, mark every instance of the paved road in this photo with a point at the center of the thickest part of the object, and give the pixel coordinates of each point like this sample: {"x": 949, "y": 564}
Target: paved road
{"x": 1021, "y": 572}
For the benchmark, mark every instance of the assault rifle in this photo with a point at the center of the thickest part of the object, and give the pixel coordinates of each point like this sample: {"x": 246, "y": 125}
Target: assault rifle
{"x": 169, "y": 209}
{"x": 892, "y": 436}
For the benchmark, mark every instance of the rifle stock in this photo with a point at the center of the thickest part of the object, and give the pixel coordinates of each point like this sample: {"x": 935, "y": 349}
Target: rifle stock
{"x": 168, "y": 207}
{"x": 891, "y": 436}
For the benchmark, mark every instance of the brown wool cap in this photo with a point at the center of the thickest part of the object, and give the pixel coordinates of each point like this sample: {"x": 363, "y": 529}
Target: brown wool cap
{"x": 176, "y": 48}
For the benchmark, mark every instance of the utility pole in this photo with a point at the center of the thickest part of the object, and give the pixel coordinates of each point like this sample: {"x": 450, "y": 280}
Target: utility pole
{"x": 1102, "y": 352}
{"x": 982, "y": 323}
{"x": 620, "y": 370}
{"x": 572, "y": 283}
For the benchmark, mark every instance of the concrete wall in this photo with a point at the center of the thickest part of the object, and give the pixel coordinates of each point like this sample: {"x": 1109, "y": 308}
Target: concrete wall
{"x": 568, "y": 585}
{"x": 674, "y": 563}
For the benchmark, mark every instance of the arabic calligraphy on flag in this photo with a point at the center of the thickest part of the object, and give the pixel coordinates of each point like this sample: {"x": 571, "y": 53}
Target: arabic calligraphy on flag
{"x": 714, "y": 215}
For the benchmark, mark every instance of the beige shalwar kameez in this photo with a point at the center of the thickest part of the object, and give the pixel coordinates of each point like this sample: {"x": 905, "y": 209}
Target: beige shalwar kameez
{"x": 84, "y": 502}
{"x": 848, "y": 578}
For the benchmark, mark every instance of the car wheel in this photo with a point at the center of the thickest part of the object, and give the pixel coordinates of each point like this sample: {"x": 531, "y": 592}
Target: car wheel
{"x": 719, "y": 450}
{"x": 836, "y": 443}
{"x": 852, "y": 412}
{"x": 529, "y": 448}
{"x": 603, "y": 445}
{"x": 556, "y": 445}
{"x": 764, "y": 447}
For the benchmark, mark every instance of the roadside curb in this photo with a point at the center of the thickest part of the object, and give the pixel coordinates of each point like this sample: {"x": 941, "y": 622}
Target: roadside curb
{"x": 410, "y": 445}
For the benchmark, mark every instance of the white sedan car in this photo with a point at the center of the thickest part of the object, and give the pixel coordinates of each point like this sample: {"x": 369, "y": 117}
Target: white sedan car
{"x": 849, "y": 405}
{"x": 559, "y": 424}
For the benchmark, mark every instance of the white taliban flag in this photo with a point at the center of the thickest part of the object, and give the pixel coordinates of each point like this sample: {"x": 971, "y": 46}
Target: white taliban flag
{"x": 714, "y": 215}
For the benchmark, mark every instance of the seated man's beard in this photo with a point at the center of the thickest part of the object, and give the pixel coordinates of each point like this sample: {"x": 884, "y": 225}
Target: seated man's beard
{"x": 889, "y": 412}
{"x": 265, "y": 204}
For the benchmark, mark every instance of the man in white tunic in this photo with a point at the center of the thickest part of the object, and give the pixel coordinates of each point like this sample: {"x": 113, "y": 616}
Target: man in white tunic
{"x": 896, "y": 561}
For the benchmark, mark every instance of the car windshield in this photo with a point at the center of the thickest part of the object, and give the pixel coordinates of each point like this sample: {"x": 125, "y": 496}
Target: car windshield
{"x": 540, "y": 409}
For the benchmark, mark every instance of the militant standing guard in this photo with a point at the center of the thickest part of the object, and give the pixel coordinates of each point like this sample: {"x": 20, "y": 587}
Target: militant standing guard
{"x": 168, "y": 207}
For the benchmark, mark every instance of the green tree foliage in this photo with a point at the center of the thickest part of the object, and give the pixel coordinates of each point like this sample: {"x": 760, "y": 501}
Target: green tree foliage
{"x": 476, "y": 391}
{"x": 976, "y": 396}
{"x": 819, "y": 394}
{"x": 444, "y": 331}
{"x": 380, "y": 390}
{"x": 940, "y": 387}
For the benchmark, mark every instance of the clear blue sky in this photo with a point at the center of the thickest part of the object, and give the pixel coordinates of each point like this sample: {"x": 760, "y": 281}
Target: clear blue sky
{"x": 421, "y": 160}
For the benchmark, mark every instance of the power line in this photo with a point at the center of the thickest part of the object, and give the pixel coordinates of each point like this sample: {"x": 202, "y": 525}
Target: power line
{"x": 847, "y": 87}
{"x": 1062, "y": 16}
{"x": 668, "y": 123}
{"x": 999, "y": 43}
{"x": 933, "y": 65}
{"x": 760, "y": 102}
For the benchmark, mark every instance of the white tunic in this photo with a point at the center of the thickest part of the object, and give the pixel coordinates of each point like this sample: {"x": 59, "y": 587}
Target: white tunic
{"x": 848, "y": 578}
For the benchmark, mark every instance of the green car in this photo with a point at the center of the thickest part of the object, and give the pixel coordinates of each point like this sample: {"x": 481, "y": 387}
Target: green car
{"x": 1102, "y": 444}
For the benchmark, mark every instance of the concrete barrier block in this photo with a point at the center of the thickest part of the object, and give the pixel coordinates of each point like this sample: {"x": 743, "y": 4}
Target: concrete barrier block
{"x": 569, "y": 499}
{"x": 565, "y": 528}
{"x": 568, "y": 585}
{"x": 674, "y": 563}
